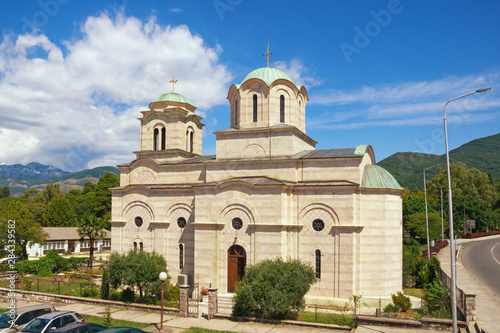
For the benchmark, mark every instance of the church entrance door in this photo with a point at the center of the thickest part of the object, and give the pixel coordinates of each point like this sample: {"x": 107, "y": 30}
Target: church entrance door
{"x": 236, "y": 262}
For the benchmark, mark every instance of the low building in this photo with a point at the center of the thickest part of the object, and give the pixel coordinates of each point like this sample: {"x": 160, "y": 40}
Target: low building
{"x": 67, "y": 239}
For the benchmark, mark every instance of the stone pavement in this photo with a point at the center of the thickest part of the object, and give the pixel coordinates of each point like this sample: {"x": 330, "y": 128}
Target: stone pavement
{"x": 487, "y": 307}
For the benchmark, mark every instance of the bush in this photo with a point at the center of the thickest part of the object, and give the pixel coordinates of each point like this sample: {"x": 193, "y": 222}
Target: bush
{"x": 128, "y": 296}
{"x": 273, "y": 289}
{"x": 392, "y": 308}
{"x": 90, "y": 292}
{"x": 437, "y": 300}
{"x": 402, "y": 301}
{"x": 40, "y": 267}
{"x": 105, "y": 285}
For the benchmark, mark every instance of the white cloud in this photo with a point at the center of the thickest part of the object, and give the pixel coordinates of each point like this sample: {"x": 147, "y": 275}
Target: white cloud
{"x": 176, "y": 11}
{"x": 297, "y": 72}
{"x": 77, "y": 106}
{"x": 408, "y": 103}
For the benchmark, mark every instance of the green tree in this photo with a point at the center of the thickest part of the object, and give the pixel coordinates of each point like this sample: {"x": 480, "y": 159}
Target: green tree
{"x": 88, "y": 187}
{"x": 82, "y": 204}
{"x": 105, "y": 285}
{"x": 5, "y": 193}
{"x": 91, "y": 229}
{"x": 273, "y": 289}
{"x": 465, "y": 182}
{"x": 59, "y": 213}
{"x": 136, "y": 268}
{"x": 102, "y": 199}
{"x": 416, "y": 226}
{"x": 26, "y": 229}
{"x": 51, "y": 192}
{"x": 468, "y": 208}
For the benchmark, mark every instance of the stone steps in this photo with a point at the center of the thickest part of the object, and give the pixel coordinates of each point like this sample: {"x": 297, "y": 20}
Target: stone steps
{"x": 225, "y": 303}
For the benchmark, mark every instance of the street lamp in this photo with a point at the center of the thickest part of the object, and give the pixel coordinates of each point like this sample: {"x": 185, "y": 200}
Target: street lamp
{"x": 163, "y": 276}
{"x": 450, "y": 214}
{"x": 426, "y": 215}
{"x": 442, "y": 219}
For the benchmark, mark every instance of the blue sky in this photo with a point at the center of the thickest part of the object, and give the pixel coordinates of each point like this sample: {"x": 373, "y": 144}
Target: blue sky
{"x": 74, "y": 75}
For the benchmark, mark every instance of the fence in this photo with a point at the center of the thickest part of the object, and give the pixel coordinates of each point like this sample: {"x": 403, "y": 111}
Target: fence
{"x": 466, "y": 303}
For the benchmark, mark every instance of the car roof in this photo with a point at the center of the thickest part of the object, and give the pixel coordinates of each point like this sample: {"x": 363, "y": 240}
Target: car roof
{"x": 34, "y": 307}
{"x": 75, "y": 324}
{"x": 55, "y": 314}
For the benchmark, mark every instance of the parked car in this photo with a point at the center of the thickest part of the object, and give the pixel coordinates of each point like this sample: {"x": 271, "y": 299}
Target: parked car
{"x": 80, "y": 327}
{"x": 51, "y": 321}
{"x": 14, "y": 322}
{"x": 122, "y": 329}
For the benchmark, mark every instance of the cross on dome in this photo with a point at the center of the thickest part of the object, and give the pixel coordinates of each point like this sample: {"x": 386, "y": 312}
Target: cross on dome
{"x": 173, "y": 81}
{"x": 267, "y": 54}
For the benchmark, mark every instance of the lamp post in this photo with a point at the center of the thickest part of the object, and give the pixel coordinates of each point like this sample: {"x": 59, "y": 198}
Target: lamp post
{"x": 163, "y": 276}
{"x": 426, "y": 215}
{"x": 442, "y": 219}
{"x": 450, "y": 214}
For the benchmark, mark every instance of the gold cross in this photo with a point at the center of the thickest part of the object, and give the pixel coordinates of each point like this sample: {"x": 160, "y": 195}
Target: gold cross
{"x": 267, "y": 54}
{"x": 173, "y": 81}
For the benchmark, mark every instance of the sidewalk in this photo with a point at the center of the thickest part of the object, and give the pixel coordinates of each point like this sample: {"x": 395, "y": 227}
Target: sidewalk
{"x": 487, "y": 307}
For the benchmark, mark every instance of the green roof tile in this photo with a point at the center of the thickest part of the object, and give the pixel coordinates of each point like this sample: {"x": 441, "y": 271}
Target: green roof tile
{"x": 173, "y": 97}
{"x": 268, "y": 75}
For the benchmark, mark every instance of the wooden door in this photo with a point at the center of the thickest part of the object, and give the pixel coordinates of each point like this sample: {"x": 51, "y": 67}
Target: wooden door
{"x": 236, "y": 262}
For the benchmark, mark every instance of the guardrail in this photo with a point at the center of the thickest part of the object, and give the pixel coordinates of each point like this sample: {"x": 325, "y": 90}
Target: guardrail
{"x": 466, "y": 303}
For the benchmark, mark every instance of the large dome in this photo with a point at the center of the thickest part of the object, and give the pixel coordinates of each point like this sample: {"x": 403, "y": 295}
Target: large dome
{"x": 268, "y": 75}
{"x": 173, "y": 97}
{"x": 377, "y": 177}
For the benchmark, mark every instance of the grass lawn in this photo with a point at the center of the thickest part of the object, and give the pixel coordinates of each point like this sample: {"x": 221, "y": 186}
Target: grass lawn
{"x": 3, "y": 310}
{"x": 203, "y": 330}
{"x": 115, "y": 322}
{"x": 44, "y": 285}
{"x": 416, "y": 292}
{"x": 326, "y": 318}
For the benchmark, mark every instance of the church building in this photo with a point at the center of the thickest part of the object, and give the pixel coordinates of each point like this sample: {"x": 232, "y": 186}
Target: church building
{"x": 266, "y": 193}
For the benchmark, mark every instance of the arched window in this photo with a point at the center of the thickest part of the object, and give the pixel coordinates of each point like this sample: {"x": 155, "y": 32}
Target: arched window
{"x": 135, "y": 245}
{"x": 318, "y": 264}
{"x": 141, "y": 246}
{"x": 189, "y": 140}
{"x": 282, "y": 109}
{"x": 181, "y": 256}
{"x": 254, "y": 108}
{"x": 156, "y": 139}
{"x": 236, "y": 114}
{"x": 163, "y": 138}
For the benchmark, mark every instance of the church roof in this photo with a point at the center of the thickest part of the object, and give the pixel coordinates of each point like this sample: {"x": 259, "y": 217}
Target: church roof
{"x": 268, "y": 75}
{"x": 173, "y": 97}
{"x": 375, "y": 176}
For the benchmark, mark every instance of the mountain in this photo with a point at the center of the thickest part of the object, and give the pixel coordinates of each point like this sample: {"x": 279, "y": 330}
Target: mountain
{"x": 32, "y": 170}
{"x": 408, "y": 168}
{"x": 66, "y": 181}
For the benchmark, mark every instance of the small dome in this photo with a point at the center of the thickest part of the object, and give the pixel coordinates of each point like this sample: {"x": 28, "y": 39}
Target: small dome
{"x": 377, "y": 177}
{"x": 173, "y": 97}
{"x": 268, "y": 75}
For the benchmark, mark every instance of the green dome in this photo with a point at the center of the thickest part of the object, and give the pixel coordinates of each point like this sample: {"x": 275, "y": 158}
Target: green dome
{"x": 173, "y": 97}
{"x": 268, "y": 75}
{"x": 378, "y": 177}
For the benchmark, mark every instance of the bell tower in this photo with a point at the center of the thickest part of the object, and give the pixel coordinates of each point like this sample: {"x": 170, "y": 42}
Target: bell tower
{"x": 267, "y": 117}
{"x": 170, "y": 129}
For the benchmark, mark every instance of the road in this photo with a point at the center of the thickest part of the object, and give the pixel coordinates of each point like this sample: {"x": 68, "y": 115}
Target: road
{"x": 482, "y": 259}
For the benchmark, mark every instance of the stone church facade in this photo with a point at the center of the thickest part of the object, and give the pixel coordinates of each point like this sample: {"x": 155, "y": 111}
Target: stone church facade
{"x": 266, "y": 193}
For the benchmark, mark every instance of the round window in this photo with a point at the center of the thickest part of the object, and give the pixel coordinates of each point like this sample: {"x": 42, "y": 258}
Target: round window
{"x": 181, "y": 222}
{"x": 318, "y": 225}
{"x": 237, "y": 223}
{"x": 138, "y": 221}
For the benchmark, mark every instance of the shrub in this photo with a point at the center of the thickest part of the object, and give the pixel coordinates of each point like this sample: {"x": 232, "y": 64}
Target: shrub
{"x": 128, "y": 296}
{"x": 90, "y": 292}
{"x": 392, "y": 308}
{"x": 437, "y": 300}
{"x": 273, "y": 289}
{"x": 402, "y": 301}
{"x": 105, "y": 285}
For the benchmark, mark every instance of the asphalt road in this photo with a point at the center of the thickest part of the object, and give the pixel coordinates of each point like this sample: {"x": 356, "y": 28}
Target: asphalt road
{"x": 482, "y": 259}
